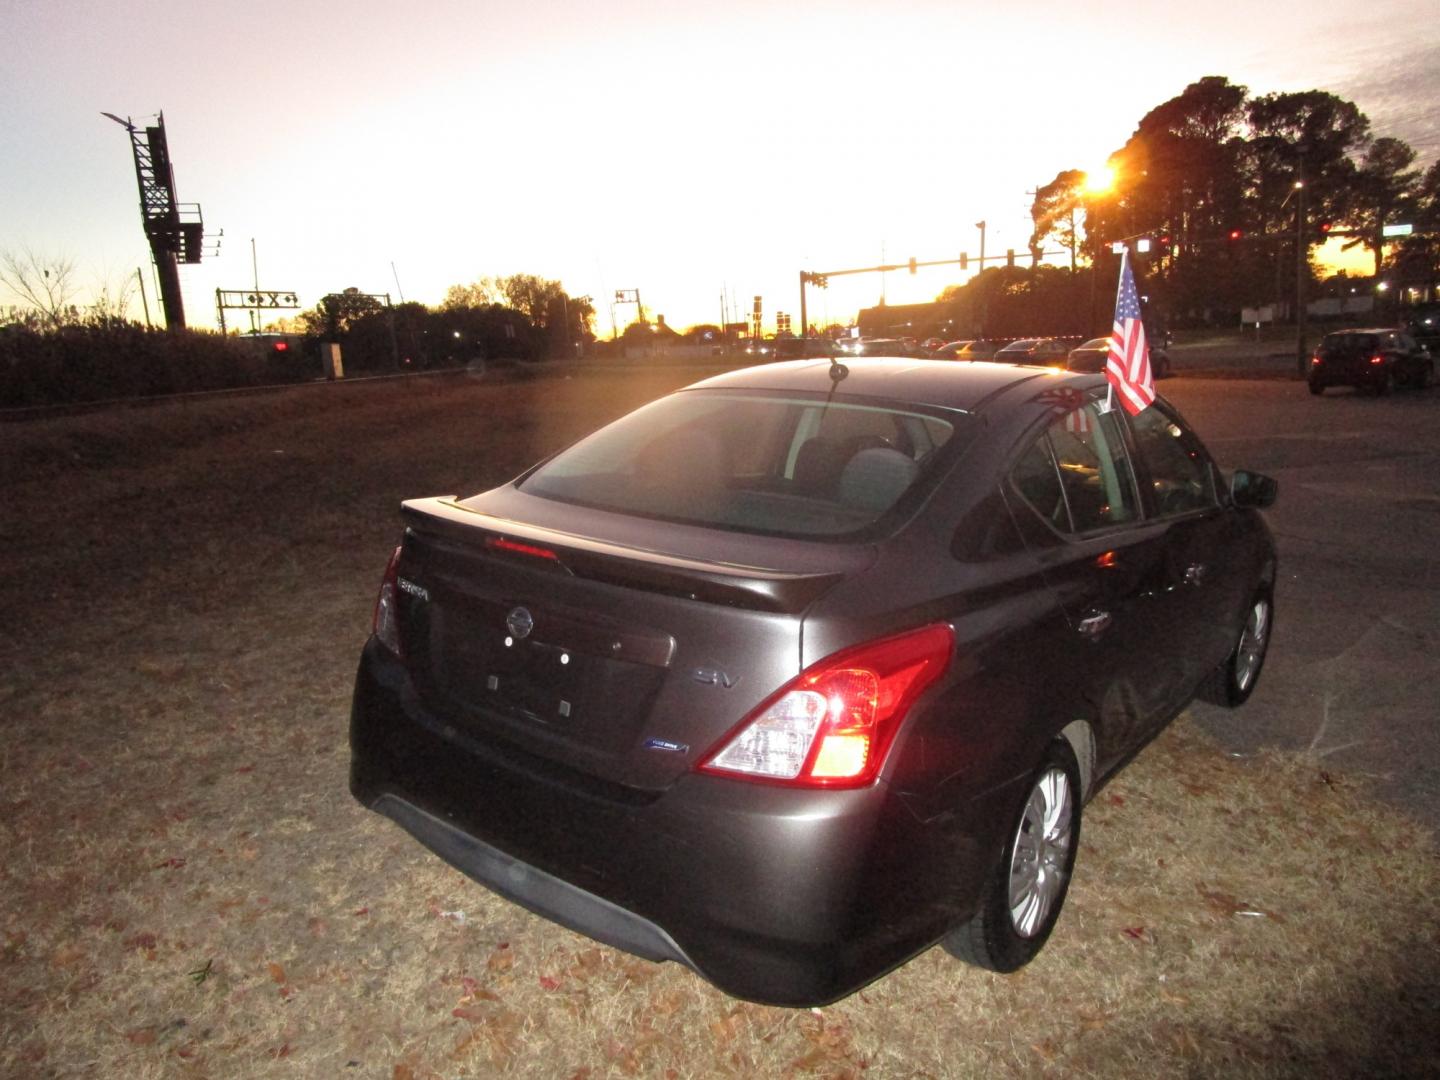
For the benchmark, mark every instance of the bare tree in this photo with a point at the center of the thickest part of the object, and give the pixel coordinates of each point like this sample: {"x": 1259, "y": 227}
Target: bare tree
{"x": 45, "y": 283}
{"x": 113, "y": 294}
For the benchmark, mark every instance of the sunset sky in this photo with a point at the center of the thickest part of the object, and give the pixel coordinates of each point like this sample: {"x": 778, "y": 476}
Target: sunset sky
{"x": 682, "y": 149}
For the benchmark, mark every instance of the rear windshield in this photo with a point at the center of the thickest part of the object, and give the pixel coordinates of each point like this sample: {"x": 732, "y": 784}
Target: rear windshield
{"x": 781, "y": 465}
{"x": 1347, "y": 343}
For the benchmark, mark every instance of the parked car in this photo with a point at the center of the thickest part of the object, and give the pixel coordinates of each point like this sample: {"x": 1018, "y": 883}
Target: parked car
{"x": 795, "y": 672}
{"x": 1091, "y": 356}
{"x": 979, "y": 349}
{"x": 880, "y": 347}
{"x": 794, "y": 348}
{"x": 1051, "y": 352}
{"x": 1377, "y": 360}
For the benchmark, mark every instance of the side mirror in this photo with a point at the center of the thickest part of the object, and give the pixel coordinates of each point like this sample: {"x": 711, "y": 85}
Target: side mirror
{"x": 1253, "y": 490}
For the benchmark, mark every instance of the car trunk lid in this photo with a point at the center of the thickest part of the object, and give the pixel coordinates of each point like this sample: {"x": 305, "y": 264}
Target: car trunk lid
{"x": 587, "y": 652}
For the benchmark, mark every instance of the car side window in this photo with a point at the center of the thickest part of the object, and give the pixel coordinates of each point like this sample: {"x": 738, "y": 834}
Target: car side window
{"x": 1175, "y": 464}
{"x": 1034, "y": 477}
{"x": 1077, "y": 475}
{"x": 1094, "y": 469}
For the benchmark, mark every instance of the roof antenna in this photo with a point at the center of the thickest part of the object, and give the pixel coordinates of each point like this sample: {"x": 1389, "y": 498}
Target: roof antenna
{"x": 838, "y": 371}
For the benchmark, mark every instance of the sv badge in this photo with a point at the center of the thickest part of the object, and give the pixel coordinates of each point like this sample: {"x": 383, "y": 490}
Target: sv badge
{"x": 714, "y": 677}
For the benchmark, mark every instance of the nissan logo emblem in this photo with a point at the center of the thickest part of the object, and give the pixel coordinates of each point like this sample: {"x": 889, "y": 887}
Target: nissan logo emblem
{"x": 520, "y": 622}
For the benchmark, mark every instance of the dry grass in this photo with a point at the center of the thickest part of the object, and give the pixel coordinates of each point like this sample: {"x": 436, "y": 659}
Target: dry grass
{"x": 187, "y": 888}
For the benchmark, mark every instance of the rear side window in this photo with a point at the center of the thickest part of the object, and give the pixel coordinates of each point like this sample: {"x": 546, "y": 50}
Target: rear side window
{"x": 1077, "y": 476}
{"x": 761, "y": 463}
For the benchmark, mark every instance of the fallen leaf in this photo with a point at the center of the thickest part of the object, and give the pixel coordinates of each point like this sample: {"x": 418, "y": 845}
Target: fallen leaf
{"x": 1045, "y": 1048}
{"x": 172, "y": 863}
{"x": 361, "y": 911}
{"x": 276, "y": 972}
{"x": 141, "y": 1036}
{"x": 500, "y": 961}
{"x": 1136, "y": 932}
{"x": 549, "y": 983}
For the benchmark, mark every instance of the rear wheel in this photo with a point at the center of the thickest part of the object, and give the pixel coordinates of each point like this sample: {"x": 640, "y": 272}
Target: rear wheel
{"x": 1023, "y": 899}
{"x": 1232, "y": 683}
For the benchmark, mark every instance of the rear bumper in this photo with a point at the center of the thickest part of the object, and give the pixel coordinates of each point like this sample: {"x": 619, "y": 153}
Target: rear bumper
{"x": 778, "y": 896}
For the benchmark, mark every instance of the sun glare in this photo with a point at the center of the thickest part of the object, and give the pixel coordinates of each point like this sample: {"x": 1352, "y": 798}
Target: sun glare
{"x": 1099, "y": 180}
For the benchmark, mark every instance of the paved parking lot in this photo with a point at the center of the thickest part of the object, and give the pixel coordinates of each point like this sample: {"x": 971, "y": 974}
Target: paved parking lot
{"x": 1355, "y": 663}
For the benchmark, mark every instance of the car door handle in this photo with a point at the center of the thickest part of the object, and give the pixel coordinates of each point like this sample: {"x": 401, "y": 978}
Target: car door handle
{"x": 1195, "y": 574}
{"x": 1095, "y": 624}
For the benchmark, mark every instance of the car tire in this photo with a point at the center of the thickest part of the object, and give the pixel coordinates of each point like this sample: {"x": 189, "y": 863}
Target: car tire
{"x": 1023, "y": 897}
{"x": 1317, "y": 388}
{"x": 1386, "y": 383}
{"x": 1231, "y": 684}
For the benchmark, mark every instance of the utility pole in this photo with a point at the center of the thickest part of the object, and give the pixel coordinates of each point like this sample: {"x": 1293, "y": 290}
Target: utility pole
{"x": 1302, "y": 266}
{"x": 144, "y": 301}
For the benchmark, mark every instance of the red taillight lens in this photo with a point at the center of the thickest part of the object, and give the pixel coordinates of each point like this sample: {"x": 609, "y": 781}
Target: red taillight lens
{"x": 1377, "y": 359}
{"x": 833, "y": 724}
{"x": 386, "y": 624}
{"x": 515, "y": 547}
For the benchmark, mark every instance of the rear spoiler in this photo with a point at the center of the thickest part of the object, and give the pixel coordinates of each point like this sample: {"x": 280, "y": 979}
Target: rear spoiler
{"x": 472, "y": 532}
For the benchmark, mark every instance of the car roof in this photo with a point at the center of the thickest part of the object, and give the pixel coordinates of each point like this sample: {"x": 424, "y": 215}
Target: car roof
{"x": 922, "y": 382}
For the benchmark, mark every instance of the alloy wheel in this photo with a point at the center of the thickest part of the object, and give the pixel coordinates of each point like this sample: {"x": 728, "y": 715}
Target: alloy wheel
{"x": 1041, "y": 852}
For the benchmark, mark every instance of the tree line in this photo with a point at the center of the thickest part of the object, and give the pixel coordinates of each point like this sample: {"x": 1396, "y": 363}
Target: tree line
{"x": 1231, "y": 188}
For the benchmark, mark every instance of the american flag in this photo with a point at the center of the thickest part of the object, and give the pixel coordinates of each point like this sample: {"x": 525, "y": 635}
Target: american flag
{"x": 1128, "y": 366}
{"x": 1070, "y": 403}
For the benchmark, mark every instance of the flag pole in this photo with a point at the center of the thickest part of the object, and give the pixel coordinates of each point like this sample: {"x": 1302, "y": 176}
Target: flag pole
{"x": 1110, "y": 386}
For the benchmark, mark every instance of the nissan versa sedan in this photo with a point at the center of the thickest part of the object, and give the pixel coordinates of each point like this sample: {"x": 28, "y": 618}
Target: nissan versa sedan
{"x": 800, "y": 670}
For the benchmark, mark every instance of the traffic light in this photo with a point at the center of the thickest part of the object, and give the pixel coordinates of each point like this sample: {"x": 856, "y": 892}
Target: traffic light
{"x": 1009, "y": 256}
{"x": 1236, "y": 234}
{"x": 964, "y": 261}
{"x": 1325, "y": 227}
{"x": 912, "y": 264}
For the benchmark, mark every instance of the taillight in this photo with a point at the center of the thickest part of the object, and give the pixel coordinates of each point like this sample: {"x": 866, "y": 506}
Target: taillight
{"x": 833, "y": 724}
{"x": 386, "y": 624}
{"x": 515, "y": 547}
{"x": 1377, "y": 359}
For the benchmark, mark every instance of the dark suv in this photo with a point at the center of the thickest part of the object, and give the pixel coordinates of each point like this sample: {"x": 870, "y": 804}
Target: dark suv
{"x": 1376, "y": 360}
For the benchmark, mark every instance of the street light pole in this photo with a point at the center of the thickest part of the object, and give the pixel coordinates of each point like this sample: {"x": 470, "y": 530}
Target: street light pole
{"x": 981, "y": 226}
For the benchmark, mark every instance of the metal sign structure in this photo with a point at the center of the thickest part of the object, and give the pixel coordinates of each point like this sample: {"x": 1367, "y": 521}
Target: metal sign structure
{"x": 176, "y": 230}
{"x": 253, "y": 300}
